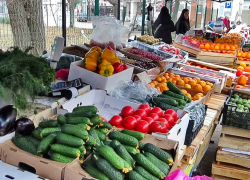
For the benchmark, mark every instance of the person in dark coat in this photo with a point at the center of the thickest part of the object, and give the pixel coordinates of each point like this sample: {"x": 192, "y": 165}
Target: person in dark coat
{"x": 164, "y": 26}
{"x": 183, "y": 25}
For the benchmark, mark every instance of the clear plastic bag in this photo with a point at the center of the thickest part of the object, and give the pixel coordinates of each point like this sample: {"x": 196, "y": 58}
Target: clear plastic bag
{"x": 135, "y": 92}
{"x": 107, "y": 32}
{"x": 178, "y": 38}
{"x": 180, "y": 175}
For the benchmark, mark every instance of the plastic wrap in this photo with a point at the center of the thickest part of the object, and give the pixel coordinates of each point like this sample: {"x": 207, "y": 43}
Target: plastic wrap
{"x": 178, "y": 38}
{"x": 107, "y": 32}
{"x": 180, "y": 175}
{"x": 135, "y": 92}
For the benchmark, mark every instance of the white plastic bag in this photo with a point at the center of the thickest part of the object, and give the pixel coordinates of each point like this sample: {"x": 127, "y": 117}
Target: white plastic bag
{"x": 178, "y": 38}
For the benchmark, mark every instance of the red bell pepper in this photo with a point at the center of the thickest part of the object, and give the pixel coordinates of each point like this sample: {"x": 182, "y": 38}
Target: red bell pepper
{"x": 118, "y": 67}
{"x": 125, "y": 67}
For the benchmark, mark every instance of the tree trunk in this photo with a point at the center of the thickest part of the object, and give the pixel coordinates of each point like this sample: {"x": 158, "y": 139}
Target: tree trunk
{"x": 72, "y": 16}
{"x": 176, "y": 9}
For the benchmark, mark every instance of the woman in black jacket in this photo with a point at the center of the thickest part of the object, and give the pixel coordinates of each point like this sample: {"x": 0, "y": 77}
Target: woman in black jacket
{"x": 183, "y": 25}
{"x": 164, "y": 26}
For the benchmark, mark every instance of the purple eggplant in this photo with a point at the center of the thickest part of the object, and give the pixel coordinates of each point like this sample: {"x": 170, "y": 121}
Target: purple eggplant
{"x": 24, "y": 126}
{"x": 7, "y": 119}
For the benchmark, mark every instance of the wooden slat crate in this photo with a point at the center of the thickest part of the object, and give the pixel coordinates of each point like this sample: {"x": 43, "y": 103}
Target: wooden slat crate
{"x": 216, "y": 58}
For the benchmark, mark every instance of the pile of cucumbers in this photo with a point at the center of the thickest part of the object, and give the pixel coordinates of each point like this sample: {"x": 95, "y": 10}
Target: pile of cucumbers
{"x": 123, "y": 156}
{"x": 73, "y": 135}
{"x": 171, "y": 99}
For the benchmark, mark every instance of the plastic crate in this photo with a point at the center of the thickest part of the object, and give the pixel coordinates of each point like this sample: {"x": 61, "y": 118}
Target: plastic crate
{"x": 233, "y": 117}
{"x": 193, "y": 129}
{"x": 143, "y": 46}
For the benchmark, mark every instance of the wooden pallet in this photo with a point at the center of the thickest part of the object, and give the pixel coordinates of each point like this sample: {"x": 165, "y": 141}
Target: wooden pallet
{"x": 230, "y": 171}
{"x": 234, "y": 138}
{"x": 233, "y": 158}
{"x": 217, "y": 101}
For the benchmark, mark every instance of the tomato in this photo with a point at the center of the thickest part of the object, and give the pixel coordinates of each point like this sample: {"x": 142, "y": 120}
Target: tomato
{"x": 157, "y": 111}
{"x": 153, "y": 116}
{"x": 157, "y": 126}
{"x": 127, "y": 111}
{"x": 172, "y": 113}
{"x": 116, "y": 120}
{"x": 141, "y": 113}
{"x": 149, "y": 120}
{"x": 129, "y": 123}
{"x": 239, "y": 72}
{"x": 170, "y": 119}
{"x": 104, "y": 120}
{"x": 120, "y": 127}
{"x": 142, "y": 126}
{"x": 137, "y": 117}
{"x": 145, "y": 107}
{"x": 164, "y": 121}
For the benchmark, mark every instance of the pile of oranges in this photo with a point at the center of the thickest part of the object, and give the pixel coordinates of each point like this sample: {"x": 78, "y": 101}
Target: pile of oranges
{"x": 243, "y": 56}
{"x": 190, "y": 83}
{"x": 244, "y": 67}
{"x": 195, "y": 97}
{"x": 219, "y": 48}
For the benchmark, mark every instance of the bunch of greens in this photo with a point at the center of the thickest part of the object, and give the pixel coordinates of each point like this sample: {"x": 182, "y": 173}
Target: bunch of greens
{"x": 24, "y": 76}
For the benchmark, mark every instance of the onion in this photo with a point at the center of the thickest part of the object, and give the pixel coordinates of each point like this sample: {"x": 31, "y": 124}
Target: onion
{"x": 7, "y": 119}
{"x": 24, "y": 126}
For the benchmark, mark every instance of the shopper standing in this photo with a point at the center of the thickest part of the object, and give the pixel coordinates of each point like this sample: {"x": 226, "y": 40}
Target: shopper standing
{"x": 150, "y": 18}
{"x": 164, "y": 26}
{"x": 183, "y": 24}
{"x": 226, "y": 22}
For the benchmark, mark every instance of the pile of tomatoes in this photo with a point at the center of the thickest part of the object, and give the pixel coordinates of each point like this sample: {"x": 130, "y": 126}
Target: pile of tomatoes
{"x": 145, "y": 119}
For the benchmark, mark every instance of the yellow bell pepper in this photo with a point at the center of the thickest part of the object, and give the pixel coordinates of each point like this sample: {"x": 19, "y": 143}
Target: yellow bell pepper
{"x": 108, "y": 54}
{"x": 103, "y": 62}
{"x": 90, "y": 64}
{"x": 96, "y": 48}
{"x": 92, "y": 54}
{"x": 106, "y": 70}
{"x": 115, "y": 60}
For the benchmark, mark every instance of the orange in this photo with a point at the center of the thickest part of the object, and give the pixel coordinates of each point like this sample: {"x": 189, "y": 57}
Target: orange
{"x": 164, "y": 88}
{"x": 171, "y": 75}
{"x": 192, "y": 83}
{"x": 248, "y": 55}
{"x": 158, "y": 79}
{"x": 163, "y": 80}
{"x": 222, "y": 47}
{"x": 196, "y": 97}
{"x": 184, "y": 91}
{"x": 187, "y": 86}
{"x": 189, "y": 95}
{"x": 152, "y": 84}
{"x": 241, "y": 68}
{"x": 202, "y": 46}
{"x": 243, "y": 65}
{"x": 207, "y": 46}
{"x": 174, "y": 82}
{"x": 242, "y": 80}
{"x": 197, "y": 87}
{"x": 239, "y": 54}
{"x": 170, "y": 79}
{"x": 201, "y": 94}
{"x": 217, "y": 47}
{"x": 180, "y": 83}
{"x": 166, "y": 75}
{"x": 197, "y": 79}
{"x": 233, "y": 48}
{"x": 185, "y": 79}
{"x": 247, "y": 69}
{"x": 210, "y": 84}
{"x": 236, "y": 46}
{"x": 227, "y": 47}
{"x": 243, "y": 55}
{"x": 155, "y": 82}
{"x": 206, "y": 88}
{"x": 212, "y": 47}
{"x": 202, "y": 83}
{"x": 177, "y": 76}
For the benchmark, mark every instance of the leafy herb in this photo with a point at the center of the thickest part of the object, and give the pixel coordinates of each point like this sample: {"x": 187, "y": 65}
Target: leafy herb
{"x": 24, "y": 75}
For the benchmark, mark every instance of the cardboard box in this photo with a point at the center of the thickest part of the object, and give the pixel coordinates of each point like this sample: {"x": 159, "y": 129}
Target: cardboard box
{"x": 6, "y": 137}
{"x": 74, "y": 171}
{"x": 45, "y": 168}
{"x": 97, "y": 81}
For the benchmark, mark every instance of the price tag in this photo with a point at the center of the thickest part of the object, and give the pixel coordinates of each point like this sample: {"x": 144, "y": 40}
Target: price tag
{"x": 144, "y": 77}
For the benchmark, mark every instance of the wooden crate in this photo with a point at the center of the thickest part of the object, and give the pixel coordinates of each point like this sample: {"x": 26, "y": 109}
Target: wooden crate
{"x": 229, "y": 171}
{"x": 234, "y": 138}
{"x": 233, "y": 158}
{"x": 222, "y": 178}
{"x": 216, "y": 58}
{"x": 191, "y": 51}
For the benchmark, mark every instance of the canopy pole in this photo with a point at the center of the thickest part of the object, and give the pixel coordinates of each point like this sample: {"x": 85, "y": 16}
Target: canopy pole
{"x": 96, "y": 7}
{"x": 143, "y": 17}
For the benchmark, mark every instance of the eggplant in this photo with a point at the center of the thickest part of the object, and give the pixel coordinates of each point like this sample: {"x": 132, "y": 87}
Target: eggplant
{"x": 7, "y": 119}
{"x": 24, "y": 126}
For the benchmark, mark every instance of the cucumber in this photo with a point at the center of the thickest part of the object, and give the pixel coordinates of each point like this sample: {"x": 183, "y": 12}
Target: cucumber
{"x": 78, "y": 120}
{"x": 75, "y": 131}
{"x": 61, "y": 119}
{"x": 36, "y": 133}
{"x": 45, "y": 143}
{"x": 91, "y": 141}
{"x": 141, "y": 145}
{"x": 114, "y": 144}
{"x": 105, "y": 167}
{"x": 138, "y": 135}
{"x": 149, "y": 166}
{"x": 47, "y": 131}
{"x": 107, "y": 142}
{"x": 106, "y": 125}
{"x": 131, "y": 150}
{"x": 48, "y": 123}
{"x": 133, "y": 175}
{"x": 92, "y": 132}
{"x": 101, "y": 136}
{"x": 165, "y": 106}
{"x": 61, "y": 158}
{"x": 123, "y": 153}
{"x": 82, "y": 149}
{"x": 92, "y": 109}
{"x": 33, "y": 140}
{"x": 24, "y": 144}
{"x": 123, "y": 138}
{"x": 96, "y": 120}
{"x": 160, "y": 164}
{"x": 187, "y": 99}
{"x": 172, "y": 94}
{"x": 159, "y": 153}
{"x": 92, "y": 170}
{"x": 110, "y": 155}
{"x": 144, "y": 173}
{"x": 69, "y": 140}
{"x": 103, "y": 130}
{"x": 79, "y": 114}
{"x": 66, "y": 150}
{"x": 173, "y": 88}
{"x": 84, "y": 126}
{"x": 168, "y": 101}
{"x": 180, "y": 101}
